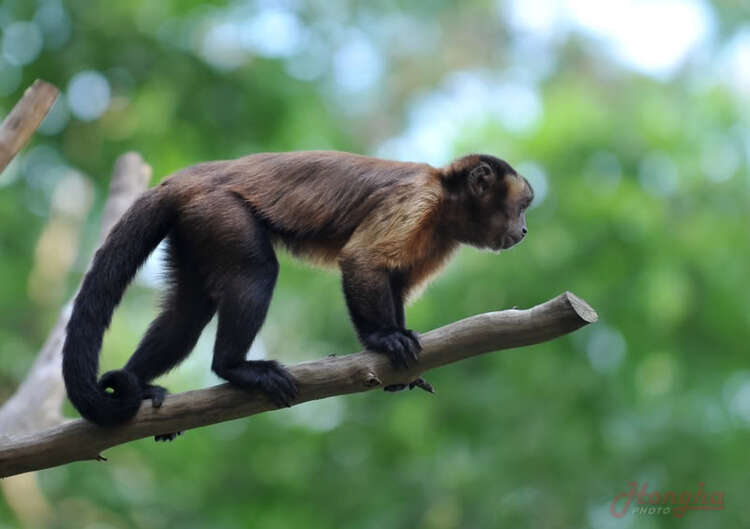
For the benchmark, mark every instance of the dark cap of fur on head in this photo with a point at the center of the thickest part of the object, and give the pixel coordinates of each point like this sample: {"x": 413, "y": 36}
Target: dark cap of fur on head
{"x": 458, "y": 170}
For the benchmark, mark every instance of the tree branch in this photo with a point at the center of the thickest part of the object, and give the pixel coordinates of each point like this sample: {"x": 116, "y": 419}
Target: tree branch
{"x": 79, "y": 440}
{"x": 24, "y": 119}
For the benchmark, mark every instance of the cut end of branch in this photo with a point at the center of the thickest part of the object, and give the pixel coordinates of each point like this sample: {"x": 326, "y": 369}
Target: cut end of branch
{"x": 581, "y": 308}
{"x": 24, "y": 118}
{"x": 44, "y": 89}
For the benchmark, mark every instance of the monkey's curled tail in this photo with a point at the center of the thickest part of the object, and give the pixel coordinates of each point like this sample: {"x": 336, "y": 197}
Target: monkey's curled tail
{"x": 128, "y": 245}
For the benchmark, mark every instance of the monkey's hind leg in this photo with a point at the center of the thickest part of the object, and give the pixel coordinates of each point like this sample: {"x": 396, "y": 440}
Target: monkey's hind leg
{"x": 186, "y": 309}
{"x": 246, "y": 282}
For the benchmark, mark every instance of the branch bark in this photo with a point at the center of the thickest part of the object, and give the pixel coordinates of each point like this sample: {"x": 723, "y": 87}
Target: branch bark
{"x": 79, "y": 440}
{"x": 24, "y": 119}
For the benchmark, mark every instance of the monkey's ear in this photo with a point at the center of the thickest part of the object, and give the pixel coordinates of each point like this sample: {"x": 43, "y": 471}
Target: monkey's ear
{"x": 479, "y": 179}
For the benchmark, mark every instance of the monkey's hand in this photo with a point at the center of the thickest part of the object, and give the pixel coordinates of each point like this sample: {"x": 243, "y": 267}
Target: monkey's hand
{"x": 274, "y": 380}
{"x": 400, "y": 345}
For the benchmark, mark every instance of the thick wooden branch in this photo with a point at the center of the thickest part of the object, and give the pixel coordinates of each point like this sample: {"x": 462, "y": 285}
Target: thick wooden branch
{"x": 24, "y": 119}
{"x": 79, "y": 440}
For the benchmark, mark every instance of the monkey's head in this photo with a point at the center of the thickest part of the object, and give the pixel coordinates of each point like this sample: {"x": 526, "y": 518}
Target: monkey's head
{"x": 486, "y": 202}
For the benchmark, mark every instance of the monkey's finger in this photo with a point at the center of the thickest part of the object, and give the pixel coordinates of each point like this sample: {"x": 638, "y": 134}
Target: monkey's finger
{"x": 287, "y": 383}
{"x": 396, "y": 353}
{"x": 403, "y": 357}
{"x": 414, "y": 351}
{"x": 278, "y": 399}
{"x": 397, "y": 360}
{"x": 289, "y": 390}
{"x": 288, "y": 395}
{"x": 292, "y": 384}
{"x": 410, "y": 348}
{"x": 415, "y": 338}
{"x": 279, "y": 385}
{"x": 422, "y": 384}
{"x": 274, "y": 393}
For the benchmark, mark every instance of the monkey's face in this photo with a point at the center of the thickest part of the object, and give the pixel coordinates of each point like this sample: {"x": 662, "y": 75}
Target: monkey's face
{"x": 508, "y": 226}
{"x": 495, "y": 199}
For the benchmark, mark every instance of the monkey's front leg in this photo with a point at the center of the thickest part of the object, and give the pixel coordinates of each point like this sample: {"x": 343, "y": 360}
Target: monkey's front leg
{"x": 371, "y": 306}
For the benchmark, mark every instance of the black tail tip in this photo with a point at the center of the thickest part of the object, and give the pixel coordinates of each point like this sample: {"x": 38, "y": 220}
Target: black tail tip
{"x": 119, "y": 384}
{"x": 118, "y": 399}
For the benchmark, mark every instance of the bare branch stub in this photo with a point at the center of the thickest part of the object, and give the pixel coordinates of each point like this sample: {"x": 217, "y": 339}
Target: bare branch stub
{"x": 24, "y": 119}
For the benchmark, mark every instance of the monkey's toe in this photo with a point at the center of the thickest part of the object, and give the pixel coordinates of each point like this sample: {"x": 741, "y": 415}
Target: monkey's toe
{"x": 277, "y": 383}
{"x": 267, "y": 376}
{"x": 418, "y": 383}
{"x": 157, "y": 394}
{"x": 162, "y": 438}
{"x": 421, "y": 384}
{"x": 414, "y": 338}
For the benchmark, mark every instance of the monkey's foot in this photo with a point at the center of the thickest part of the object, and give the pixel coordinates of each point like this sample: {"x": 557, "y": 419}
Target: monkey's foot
{"x": 166, "y": 437}
{"x": 157, "y": 394}
{"x": 400, "y": 345}
{"x": 266, "y": 375}
{"x": 275, "y": 381}
{"x": 418, "y": 383}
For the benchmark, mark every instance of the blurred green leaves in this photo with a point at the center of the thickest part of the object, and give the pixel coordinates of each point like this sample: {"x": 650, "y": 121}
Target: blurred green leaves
{"x": 645, "y": 215}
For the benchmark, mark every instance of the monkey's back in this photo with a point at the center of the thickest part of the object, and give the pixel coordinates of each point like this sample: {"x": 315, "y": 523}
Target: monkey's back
{"x": 311, "y": 193}
{"x": 312, "y": 201}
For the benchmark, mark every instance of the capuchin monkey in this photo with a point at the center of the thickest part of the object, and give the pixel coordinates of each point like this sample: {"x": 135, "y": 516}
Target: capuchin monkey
{"x": 387, "y": 225}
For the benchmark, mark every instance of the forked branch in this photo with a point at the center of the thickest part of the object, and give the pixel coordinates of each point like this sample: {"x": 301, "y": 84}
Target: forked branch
{"x": 23, "y": 120}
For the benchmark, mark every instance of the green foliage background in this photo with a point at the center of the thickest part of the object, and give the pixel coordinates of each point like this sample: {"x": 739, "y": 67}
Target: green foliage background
{"x": 634, "y": 220}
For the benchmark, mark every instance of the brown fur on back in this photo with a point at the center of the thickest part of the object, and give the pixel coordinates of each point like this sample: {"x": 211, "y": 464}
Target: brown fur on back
{"x": 322, "y": 203}
{"x": 329, "y": 206}
{"x": 317, "y": 192}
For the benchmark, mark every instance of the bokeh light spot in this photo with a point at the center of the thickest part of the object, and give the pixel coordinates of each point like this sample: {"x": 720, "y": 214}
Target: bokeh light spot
{"x": 606, "y": 348}
{"x": 537, "y": 177}
{"x": 357, "y": 65}
{"x": 658, "y": 174}
{"x": 22, "y": 42}
{"x": 10, "y": 78}
{"x": 54, "y": 22}
{"x": 88, "y": 95}
{"x": 655, "y": 375}
{"x": 272, "y": 33}
{"x": 720, "y": 158}
{"x": 56, "y": 119}
{"x": 603, "y": 170}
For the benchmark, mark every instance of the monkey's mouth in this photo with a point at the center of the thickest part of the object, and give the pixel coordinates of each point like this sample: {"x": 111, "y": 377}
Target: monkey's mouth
{"x": 508, "y": 241}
